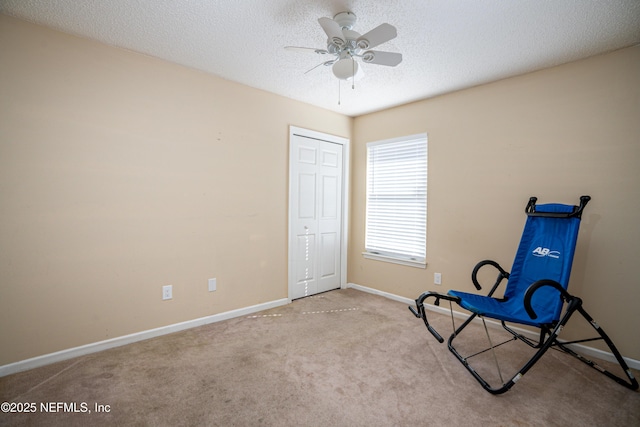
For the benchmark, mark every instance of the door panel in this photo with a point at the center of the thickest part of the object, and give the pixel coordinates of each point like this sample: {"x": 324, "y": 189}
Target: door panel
{"x": 328, "y": 246}
{"x": 307, "y": 155}
{"x": 316, "y": 215}
{"x": 330, "y": 158}
{"x": 330, "y": 197}
{"x": 307, "y": 196}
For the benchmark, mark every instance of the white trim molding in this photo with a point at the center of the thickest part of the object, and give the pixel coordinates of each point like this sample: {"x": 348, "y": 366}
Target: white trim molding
{"x": 394, "y": 260}
{"x": 589, "y": 351}
{"x": 83, "y": 350}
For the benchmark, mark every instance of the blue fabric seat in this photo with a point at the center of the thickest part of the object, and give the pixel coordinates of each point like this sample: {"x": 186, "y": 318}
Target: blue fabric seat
{"x": 511, "y": 310}
{"x": 545, "y": 252}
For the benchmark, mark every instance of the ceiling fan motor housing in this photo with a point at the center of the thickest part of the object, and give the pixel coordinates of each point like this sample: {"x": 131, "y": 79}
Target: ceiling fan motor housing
{"x": 350, "y": 43}
{"x": 346, "y": 20}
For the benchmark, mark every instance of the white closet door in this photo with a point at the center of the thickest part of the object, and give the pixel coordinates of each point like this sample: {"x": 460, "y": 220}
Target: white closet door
{"x": 316, "y": 208}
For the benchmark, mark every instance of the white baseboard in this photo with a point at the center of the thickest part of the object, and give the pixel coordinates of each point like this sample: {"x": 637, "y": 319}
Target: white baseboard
{"x": 583, "y": 349}
{"x": 59, "y": 356}
{"x": 70, "y": 353}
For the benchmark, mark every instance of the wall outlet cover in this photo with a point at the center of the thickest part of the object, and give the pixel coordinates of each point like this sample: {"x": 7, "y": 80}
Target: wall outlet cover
{"x": 167, "y": 292}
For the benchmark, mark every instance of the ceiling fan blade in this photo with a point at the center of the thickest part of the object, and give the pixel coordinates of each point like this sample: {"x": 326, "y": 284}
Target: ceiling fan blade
{"x": 306, "y": 49}
{"x": 326, "y": 64}
{"x": 333, "y": 30}
{"x": 390, "y": 59}
{"x": 381, "y": 34}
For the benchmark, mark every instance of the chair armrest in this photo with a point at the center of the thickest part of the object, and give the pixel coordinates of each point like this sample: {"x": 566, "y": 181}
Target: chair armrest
{"x": 501, "y": 275}
{"x": 539, "y": 284}
{"x": 420, "y": 312}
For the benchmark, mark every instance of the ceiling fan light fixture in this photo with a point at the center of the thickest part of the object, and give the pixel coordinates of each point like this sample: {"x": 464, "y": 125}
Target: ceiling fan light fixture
{"x": 347, "y": 69}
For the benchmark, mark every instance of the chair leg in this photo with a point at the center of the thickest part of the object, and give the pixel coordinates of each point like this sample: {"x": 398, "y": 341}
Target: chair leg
{"x": 465, "y": 362}
{"x": 574, "y": 304}
{"x": 519, "y": 374}
{"x": 493, "y": 349}
{"x": 630, "y": 382}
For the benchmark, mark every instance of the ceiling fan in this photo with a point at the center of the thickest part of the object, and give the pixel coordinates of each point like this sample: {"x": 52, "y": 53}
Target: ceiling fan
{"x": 346, "y": 46}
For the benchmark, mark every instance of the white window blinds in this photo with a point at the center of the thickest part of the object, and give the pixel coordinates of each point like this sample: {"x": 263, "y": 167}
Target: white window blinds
{"x": 396, "y": 222}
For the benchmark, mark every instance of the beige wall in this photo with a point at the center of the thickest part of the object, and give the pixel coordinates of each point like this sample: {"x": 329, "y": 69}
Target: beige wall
{"x": 555, "y": 134}
{"x": 120, "y": 173}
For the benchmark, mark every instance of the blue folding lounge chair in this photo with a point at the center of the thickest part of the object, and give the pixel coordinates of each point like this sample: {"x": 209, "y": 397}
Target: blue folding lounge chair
{"x": 535, "y": 295}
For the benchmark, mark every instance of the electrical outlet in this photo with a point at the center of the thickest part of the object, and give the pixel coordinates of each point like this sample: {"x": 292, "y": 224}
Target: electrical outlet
{"x": 437, "y": 278}
{"x": 212, "y": 285}
{"x": 167, "y": 292}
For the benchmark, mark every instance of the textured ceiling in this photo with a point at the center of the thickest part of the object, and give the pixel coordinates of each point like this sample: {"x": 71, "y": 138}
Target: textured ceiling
{"x": 446, "y": 45}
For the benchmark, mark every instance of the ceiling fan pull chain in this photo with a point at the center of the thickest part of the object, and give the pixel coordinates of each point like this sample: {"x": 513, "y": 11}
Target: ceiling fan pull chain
{"x": 353, "y": 73}
{"x": 338, "y": 92}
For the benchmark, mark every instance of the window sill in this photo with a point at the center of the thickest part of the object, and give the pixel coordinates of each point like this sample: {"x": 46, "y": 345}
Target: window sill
{"x": 394, "y": 260}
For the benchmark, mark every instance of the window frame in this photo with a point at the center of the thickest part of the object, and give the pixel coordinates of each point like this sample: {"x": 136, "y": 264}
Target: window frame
{"x": 395, "y": 257}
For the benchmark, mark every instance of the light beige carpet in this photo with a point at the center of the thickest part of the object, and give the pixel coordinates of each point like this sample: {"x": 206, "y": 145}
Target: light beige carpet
{"x": 343, "y": 358}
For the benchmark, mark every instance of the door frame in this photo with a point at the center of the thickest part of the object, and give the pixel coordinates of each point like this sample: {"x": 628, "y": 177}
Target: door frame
{"x": 345, "y": 143}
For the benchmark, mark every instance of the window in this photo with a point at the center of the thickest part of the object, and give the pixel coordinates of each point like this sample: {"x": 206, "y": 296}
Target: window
{"x": 396, "y": 222}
